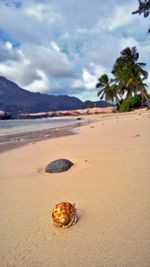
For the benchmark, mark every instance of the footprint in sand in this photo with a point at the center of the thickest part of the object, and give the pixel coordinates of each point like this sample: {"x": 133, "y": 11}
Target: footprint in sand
{"x": 137, "y": 135}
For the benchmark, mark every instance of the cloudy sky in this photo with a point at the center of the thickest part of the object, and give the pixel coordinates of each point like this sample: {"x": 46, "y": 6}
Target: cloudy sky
{"x": 63, "y": 46}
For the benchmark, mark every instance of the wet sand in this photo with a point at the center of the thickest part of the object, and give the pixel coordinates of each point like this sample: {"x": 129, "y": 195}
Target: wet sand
{"x": 11, "y": 141}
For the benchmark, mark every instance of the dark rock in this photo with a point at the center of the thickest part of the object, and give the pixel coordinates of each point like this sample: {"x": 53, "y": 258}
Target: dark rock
{"x": 59, "y": 165}
{"x": 78, "y": 119}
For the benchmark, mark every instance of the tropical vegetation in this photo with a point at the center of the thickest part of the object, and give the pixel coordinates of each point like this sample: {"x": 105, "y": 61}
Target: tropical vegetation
{"x": 128, "y": 79}
{"x": 130, "y": 103}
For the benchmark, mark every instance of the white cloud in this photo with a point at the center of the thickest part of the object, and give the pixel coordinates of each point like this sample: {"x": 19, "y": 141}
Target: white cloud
{"x": 8, "y": 52}
{"x": 129, "y": 42}
{"x": 46, "y": 58}
{"x": 27, "y": 76}
{"x": 25, "y": 28}
{"x": 55, "y": 46}
{"x": 41, "y": 84}
{"x": 18, "y": 71}
{"x": 43, "y": 13}
{"x": 8, "y": 45}
{"x": 65, "y": 36}
{"x": 89, "y": 77}
{"x": 121, "y": 17}
{"x": 35, "y": 66}
{"x": 48, "y": 45}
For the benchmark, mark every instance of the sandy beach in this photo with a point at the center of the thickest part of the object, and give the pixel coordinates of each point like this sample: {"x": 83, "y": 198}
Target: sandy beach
{"x": 109, "y": 182}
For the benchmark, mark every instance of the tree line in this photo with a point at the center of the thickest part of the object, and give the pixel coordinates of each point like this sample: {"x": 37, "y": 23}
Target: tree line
{"x": 127, "y": 79}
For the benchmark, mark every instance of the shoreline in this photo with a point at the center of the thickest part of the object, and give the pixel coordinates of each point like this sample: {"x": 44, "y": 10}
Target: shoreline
{"x": 13, "y": 141}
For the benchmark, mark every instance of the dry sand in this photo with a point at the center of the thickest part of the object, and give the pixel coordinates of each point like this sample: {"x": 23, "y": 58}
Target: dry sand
{"x": 110, "y": 184}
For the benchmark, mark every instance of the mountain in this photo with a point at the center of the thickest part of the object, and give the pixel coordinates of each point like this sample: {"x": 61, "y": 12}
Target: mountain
{"x": 15, "y": 100}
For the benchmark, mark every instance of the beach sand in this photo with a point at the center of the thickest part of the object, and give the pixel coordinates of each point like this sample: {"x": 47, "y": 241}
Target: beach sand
{"x": 110, "y": 184}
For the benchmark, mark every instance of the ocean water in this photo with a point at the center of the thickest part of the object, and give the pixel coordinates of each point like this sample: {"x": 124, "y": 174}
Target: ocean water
{"x": 21, "y": 126}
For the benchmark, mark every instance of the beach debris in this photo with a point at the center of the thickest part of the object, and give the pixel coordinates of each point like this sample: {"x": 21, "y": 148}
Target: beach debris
{"x": 64, "y": 215}
{"x": 59, "y": 165}
{"x": 137, "y": 135}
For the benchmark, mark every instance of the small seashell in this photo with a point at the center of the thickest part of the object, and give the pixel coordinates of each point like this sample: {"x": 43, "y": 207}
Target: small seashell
{"x": 64, "y": 215}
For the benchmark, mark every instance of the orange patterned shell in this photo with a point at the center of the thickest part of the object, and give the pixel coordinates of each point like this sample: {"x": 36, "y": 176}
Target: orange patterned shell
{"x": 64, "y": 214}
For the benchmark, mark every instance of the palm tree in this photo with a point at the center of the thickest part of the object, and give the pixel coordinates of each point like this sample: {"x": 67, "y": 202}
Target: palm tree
{"x": 139, "y": 86}
{"x": 126, "y": 65}
{"x": 130, "y": 74}
{"x": 108, "y": 89}
{"x": 144, "y": 8}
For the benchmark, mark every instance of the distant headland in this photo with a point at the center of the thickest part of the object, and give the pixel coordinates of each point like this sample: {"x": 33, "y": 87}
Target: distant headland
{"x": 16, "y": 102}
